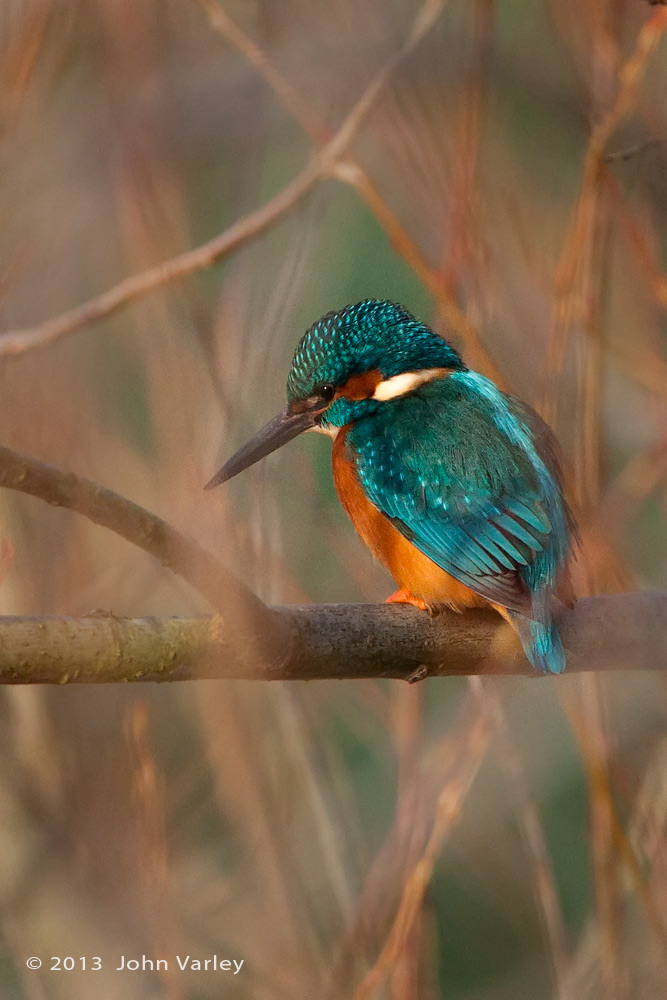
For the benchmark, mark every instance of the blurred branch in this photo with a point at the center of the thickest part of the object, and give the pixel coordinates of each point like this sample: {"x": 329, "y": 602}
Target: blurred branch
{"x": 646, "y": 367}
{"x": 432, "y": 278}
{"x": 529, "y": 820}
{"x": 290, "y": 99}
{"x": 578, "y": 243}
{"x": 349, "y": 172}
{"x": 629, "y": 80}
{"x": 342, "y": 641}
{"x": 236, "y": 236}
{"x": 641, "y": 243}
{"x": 449, "y": 809}
{"x": 259, "y": 634}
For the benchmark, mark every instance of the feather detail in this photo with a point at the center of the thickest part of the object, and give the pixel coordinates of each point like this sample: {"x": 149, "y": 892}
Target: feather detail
{"x": 457, "y": 490}
{"x": 409, "y": 567}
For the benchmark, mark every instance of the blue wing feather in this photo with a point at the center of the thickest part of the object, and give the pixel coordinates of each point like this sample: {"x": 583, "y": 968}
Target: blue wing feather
{"x": 459, "y": 470}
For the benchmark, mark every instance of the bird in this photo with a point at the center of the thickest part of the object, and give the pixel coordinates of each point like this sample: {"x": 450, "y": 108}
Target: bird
{"x": 454, "y": 485}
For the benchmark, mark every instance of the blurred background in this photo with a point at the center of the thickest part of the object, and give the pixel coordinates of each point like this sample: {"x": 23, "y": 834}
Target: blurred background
{"x": 517, "y": 829}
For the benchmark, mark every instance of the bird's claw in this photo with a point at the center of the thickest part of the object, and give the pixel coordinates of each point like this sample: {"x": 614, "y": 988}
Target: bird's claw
{"x": 404, "y": 596}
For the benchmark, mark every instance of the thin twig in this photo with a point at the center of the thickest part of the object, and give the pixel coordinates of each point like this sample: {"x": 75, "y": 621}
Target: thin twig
{"x": 349, "y": 172}
{"x": 239, "y": 234}
{"x": 404, "y": 841}
{"x": 450, "y": 804}
{"x": 640, "y": 243}
{"x": 594, "y": 746}
{"x": 243, "y": 231}
{"x": 432, "y": 279}
{"x": 542, "y": 871}
{"x": 288, "y": 96}
{"x": 577, "y": 247}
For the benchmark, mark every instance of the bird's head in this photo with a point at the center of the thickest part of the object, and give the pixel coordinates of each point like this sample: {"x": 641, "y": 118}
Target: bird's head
{"x": 349, "y": 364}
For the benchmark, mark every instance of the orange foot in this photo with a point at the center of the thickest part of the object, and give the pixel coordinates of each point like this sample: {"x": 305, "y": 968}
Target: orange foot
{"x": 403, "y": 596}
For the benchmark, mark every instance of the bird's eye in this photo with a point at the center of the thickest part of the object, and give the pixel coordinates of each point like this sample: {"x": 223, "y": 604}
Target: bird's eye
{"x": 326, "y": 392}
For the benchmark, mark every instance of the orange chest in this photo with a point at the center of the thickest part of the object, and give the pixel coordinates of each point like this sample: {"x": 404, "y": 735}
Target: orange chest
{"x": 409, "y": 567}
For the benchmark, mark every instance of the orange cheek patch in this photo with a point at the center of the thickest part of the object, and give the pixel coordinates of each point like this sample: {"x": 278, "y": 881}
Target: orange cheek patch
{"x": 360, "y": 386}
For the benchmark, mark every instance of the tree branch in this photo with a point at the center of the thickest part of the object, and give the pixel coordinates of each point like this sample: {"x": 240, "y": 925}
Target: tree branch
{"x": 260, "y": 635}
{"x": 234, "y": 238}
{"x": 240, "y": 233}
{"x": 617, "y": 632}
{"x": 248, "y": 640}
{"x": 349, "y": 172}
{"x": 577, "y": 247}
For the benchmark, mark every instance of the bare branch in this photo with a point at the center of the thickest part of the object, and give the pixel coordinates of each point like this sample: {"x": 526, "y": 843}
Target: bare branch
{"x": 247, "y": 639}
{"x": 343, "y": 641}
{"x": 349, "y": 172}
{"x": 579, "y": 240}
{"x": 259, "y": 634}
{"x": 448, "y": 811}
{"x": 238, "y": 235}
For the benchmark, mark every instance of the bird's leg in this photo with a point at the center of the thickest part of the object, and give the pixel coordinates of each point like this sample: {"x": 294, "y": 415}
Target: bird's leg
{"x": 404, "y": 596}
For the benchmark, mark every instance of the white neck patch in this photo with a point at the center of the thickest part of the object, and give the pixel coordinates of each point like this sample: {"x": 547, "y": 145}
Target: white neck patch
{"x": 399, "y": 385}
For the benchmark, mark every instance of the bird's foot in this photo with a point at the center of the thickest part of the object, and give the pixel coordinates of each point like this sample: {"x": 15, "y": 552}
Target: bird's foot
{"x": 404, "y": 596}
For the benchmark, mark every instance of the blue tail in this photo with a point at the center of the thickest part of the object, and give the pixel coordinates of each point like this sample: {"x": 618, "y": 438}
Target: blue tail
{"x": 541, "y": 643}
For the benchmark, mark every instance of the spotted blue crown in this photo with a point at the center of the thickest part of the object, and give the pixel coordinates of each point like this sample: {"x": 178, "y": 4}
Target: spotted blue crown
{"x": 372, "y": 334}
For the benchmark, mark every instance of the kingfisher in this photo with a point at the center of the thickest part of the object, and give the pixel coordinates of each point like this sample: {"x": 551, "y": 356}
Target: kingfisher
{"x": 455, "y": 486}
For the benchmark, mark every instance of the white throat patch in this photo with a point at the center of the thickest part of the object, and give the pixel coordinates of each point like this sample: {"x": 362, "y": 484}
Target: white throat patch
{"x": 399, "y": 385}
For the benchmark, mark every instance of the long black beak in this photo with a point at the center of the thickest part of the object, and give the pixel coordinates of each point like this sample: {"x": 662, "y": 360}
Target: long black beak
{"x": 277, "y": 432}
